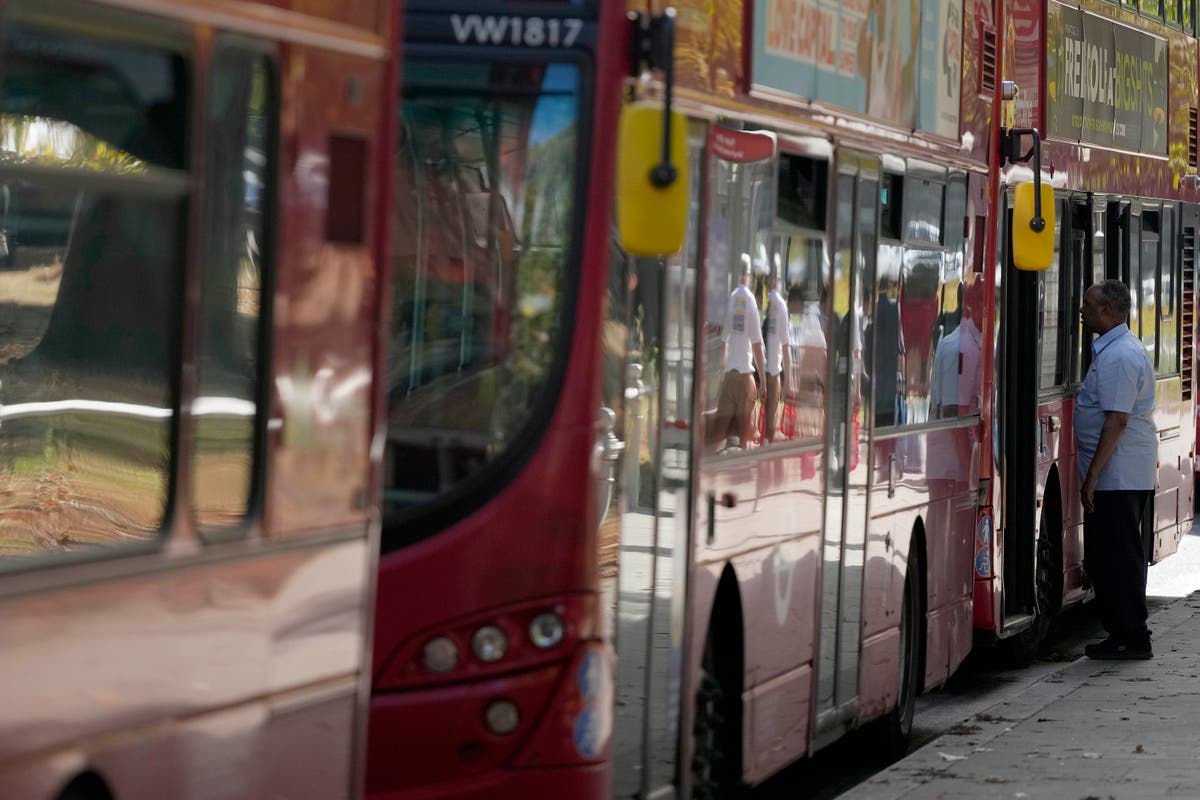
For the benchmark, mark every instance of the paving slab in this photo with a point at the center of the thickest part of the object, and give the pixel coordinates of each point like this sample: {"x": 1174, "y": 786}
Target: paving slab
{"x": 1094, "y": 730}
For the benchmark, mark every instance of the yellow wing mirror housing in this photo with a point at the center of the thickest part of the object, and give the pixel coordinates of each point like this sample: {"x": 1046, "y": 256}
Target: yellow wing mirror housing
{"x": 1033, "y": 227}
{"x": 651, "y": 217}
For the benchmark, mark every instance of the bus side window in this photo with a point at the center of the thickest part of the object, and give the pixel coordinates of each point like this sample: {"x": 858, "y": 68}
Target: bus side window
{"x": 1052, "y": 372}
{"x": 956, "y": 371}
{"x": 1143, "y": 258}
{"x": 1167, "y": 362}
{"x": 242, "y": 102}
{"x": 1079, "y": 278}
{"x": 739, "y": 214}
{"x": 921, "y": 280}
{"x": 885, "y": 336}
{"x": 93, "y": 132}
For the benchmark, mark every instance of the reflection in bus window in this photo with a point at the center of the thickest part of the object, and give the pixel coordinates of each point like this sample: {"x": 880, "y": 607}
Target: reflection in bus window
{"x": 739, "y": 252}
{"x": 922, "y": 209}
{"x": 1168, "y": 324}
{"x": 886, "y": 337}
{"x": 231, "y": 295}
{"x": 485, "y": 192}
{"x": 1148, "y": 291}
{"x": 93, "y": 138}
{"x": 1051, "y": 369}
{"x": 920, "y": 285}
{"x": 807, "y": 272}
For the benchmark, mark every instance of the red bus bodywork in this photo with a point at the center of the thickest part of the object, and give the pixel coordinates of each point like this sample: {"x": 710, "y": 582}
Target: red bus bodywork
{"x": 215, "y": 644}
{"x": 528, "y": 545}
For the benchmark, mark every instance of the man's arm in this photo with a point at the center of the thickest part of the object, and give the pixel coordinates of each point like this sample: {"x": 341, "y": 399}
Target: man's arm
{"x": 1110, "y": 435}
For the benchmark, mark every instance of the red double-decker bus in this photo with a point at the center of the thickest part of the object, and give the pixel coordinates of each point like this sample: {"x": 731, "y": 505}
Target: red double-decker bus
{"x": 1121, "y": 157}
{"x": 189, "y": 197}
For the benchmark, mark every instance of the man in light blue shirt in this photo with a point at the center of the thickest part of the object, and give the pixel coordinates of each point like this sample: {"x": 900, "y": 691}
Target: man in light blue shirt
{"x": 1116, "y": 448}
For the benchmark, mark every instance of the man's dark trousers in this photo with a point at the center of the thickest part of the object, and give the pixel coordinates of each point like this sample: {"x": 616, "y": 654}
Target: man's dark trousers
{"x": 1115, "y": 561}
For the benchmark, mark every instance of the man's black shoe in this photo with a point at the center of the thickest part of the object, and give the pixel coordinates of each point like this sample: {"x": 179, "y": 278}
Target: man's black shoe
{"x": 1112, "y": 650}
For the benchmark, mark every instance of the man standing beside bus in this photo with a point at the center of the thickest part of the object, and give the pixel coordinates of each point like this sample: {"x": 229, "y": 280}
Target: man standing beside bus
{"x": 1117, "y": 453}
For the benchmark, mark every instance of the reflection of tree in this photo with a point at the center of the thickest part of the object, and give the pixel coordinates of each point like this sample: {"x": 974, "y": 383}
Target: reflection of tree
{"x": 710, "y": 45}
{"x": 38, "y": 141}
{"x": 548, "y": 200}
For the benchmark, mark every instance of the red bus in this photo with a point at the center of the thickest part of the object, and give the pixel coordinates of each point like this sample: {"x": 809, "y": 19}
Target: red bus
{"x": 187, "y": 294}
{"x": 492, "y": 676}
{"x": 797, "y": 559}
{"x": 1124, "y": 177}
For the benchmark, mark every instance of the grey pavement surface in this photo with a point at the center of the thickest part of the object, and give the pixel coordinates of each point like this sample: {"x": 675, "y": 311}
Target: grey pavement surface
{"x": 1092, "y": 730}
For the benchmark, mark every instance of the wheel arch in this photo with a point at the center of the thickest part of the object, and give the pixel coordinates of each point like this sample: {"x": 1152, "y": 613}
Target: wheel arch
{"x": 917, "y": 559}
{"x": 726, "y": 625}
{"x": 86, "y": 785}
{"x": 1052, "y": 506}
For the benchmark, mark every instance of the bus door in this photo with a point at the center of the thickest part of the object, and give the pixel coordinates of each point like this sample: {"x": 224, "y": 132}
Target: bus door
{"x": 1018, "y": 432}
{"x": 846, "y": 447}
{"x": 652, "y": 506}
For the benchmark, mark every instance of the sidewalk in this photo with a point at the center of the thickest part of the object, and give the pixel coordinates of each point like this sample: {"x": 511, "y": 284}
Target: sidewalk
{"x": 1095, "y": 730}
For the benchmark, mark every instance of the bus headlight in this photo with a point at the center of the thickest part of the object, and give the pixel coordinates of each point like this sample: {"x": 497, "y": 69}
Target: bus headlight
{"x": 502, "y": 717}
{"x": 440, "y": 655}
{"x": 489, "y": 644}
{"x": 546, "y": 630}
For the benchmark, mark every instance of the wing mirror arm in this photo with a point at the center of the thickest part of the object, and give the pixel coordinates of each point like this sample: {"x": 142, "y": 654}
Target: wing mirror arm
{"x": 1010, "y": 151}
{"x": 654, "y": 48}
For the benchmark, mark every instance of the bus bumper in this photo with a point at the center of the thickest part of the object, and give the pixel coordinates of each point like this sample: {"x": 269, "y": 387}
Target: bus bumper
{"x": 433, "y": 742}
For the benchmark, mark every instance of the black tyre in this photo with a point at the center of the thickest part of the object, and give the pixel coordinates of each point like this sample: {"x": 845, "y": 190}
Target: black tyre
{"x": 1021, "y": 649}
{"x": 716, "y": 757}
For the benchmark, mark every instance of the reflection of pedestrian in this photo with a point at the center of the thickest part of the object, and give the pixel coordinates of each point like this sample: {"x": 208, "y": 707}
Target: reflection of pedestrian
{"x": 741, "y": 333}
{"x": 778, "y": 355}
{"x": 1116, "y": 444}
{"x": 809, "y": 364}
{"x": 954, "y": 385}
{"x": 888, "y": 343}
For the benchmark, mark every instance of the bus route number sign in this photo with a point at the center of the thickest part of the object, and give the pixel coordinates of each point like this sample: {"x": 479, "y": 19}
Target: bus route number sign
{"x": 515, "y": 31}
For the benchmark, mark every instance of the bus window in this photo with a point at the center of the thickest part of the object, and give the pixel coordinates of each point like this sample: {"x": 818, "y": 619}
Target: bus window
{"x": 804, "y": 274}
{"x": 886, "y": 338}
{"x": 921, "y": 288}
{"x": 1168, "y": 325}
{"x": 1080, "y": 278}
{"x": 742, "y": 188}
{"x": 227, "y": 364}
{"x": 922, "y": 208}
{"x": 482, "y": 234}
{"x": 955, "y": 380}
{"x": 93, "y": 135}
{"x": 1142, "y": 280}
{"x": 1050, "y": 302}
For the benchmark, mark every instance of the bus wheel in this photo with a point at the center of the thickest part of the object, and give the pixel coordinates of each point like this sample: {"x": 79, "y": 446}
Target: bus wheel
{"x": 1020, "y": 649}
{"x": 894, "y": 730}
{"x": 715, "y": 772}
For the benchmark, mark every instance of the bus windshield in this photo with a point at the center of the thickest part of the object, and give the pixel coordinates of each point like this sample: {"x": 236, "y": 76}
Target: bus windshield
{"x": 485, "y": 189}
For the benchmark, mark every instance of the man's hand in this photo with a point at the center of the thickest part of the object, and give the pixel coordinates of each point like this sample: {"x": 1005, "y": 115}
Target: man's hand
{"x": 1087, "y": 494}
